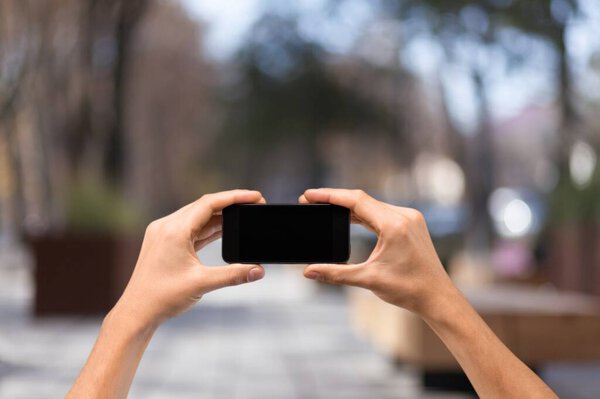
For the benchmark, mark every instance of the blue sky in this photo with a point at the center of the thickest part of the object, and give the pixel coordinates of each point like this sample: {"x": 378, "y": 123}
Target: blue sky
{"x": 227, "y": 22}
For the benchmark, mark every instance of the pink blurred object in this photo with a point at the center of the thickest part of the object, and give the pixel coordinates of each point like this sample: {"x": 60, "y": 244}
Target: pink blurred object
{"x": 511, "y": 259}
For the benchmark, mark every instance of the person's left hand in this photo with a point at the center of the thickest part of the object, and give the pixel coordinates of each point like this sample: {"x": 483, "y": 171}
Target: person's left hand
{"x": 169, "y": 277}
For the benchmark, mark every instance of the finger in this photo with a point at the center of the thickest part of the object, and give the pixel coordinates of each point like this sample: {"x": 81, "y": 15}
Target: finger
{"x": 198, "y": 245}
{"x": 353, "y": 219}
{"x": 350, "y": 274}
{"x": 234, "y": 274}
{"x": 215, "y": 224}
{"x": 200, "y": 212}
{"x": 192, "y": 205}
{"x": 302, "y": 199}
{"x": 366, "y": 209}
{"x": 212, "y": 231}
{"x": 262, "y": 200}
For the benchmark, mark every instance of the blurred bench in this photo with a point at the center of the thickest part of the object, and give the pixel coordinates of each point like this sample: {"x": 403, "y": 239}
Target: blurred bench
{"x": 538, "y": 325}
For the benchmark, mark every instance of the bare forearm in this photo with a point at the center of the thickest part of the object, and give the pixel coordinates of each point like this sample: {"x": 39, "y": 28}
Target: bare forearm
{"x": 404, "y": 270}
{"x": 492, "y": 368}
{"x": 168, "y": 279}
{"x": 111, "y": 366}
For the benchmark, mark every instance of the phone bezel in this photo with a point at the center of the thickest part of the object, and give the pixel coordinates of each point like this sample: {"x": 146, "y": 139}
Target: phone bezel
{"x": 230, "y": 235}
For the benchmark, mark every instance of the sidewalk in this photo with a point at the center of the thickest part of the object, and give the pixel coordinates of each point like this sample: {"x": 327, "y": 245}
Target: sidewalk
{"x": 282, "y": 337}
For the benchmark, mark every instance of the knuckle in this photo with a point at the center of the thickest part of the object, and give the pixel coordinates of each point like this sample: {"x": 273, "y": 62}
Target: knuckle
{"x": 397, "y": 227}
{"x": 331, "y": 278}
{"x": 360, "y": 194}
{"x": 205, "y": 197}
{"x": 327, "y": 276}
{"x": 416, "y": 216}
{"x": 337, "y": 278}
{"x": 153, "y": 227}
{"x": 235, "y": 279}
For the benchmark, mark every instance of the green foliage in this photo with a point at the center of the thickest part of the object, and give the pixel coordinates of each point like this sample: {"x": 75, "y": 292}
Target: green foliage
{"x": 592, "y": 195}
{"x": 572, "y": 204}
{"x": 94, "y": 207}
{"x": 288, "y": 90}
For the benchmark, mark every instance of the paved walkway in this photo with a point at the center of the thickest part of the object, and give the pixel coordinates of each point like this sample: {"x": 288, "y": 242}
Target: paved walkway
{"x": 282, "y": 337}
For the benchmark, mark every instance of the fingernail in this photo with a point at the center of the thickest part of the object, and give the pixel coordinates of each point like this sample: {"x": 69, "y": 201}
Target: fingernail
{"x": 313, "y": 275}
{"x": 255, "y": 274}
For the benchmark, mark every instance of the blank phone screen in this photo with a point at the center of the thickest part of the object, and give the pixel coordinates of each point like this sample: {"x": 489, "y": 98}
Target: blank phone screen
{"x": 290, "y": 234}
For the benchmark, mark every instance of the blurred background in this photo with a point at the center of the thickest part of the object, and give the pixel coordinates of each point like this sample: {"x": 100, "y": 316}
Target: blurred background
{"x": 481, "y": 114}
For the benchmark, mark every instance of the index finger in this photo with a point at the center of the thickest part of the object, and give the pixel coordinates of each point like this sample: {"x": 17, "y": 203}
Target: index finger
{"x": 365, "y": 207}
{"x": 200, "y": 211}
{"x": 353, "y": 218}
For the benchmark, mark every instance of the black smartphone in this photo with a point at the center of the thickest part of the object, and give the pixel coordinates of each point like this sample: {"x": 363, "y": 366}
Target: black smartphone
{"x": 286, "y": 233}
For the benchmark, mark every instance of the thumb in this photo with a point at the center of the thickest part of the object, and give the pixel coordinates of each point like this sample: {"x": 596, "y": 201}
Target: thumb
{"x": 348, "y": 274}
{"x": 233, "y": 274}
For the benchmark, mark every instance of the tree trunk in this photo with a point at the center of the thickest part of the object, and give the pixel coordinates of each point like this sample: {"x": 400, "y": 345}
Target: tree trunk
{"x": 130, "y": 13}
{"x": 482, "y": 173}
{"x": 568, "y": 116}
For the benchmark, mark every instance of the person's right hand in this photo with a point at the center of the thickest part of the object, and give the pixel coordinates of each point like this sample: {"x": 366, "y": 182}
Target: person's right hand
{"x": 403, "y": 269}
{"x": 168, "y": 277}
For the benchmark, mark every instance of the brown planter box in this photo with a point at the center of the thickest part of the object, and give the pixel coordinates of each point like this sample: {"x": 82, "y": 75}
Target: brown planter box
{"x": 81, "y": 274}
{"x": 574, "y": 258}
{"x": 539, "y": 326}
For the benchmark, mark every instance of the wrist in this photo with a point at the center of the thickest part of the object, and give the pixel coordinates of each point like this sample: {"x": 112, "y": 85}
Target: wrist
{"x": 443, "y": 306}
{"x": 129, "y": 322}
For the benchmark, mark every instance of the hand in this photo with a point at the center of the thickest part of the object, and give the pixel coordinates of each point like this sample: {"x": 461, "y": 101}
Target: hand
{"x": 168, "y": 277}
{"x": 403, "y": 269}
